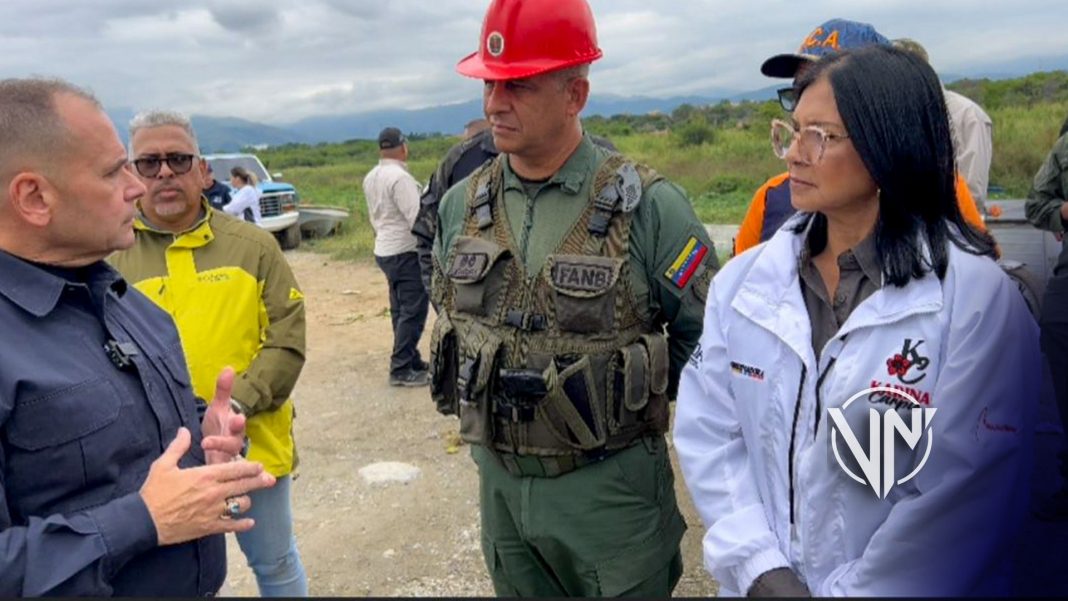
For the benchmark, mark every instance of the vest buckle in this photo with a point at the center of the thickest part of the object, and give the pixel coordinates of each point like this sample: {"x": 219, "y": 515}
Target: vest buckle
{"x": 528, "y": 322}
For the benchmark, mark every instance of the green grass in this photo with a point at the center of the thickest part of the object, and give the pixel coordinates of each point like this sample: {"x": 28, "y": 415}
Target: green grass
{"x": 341, "y": 184}
{"x": 720, "y": 174}
{"x": 1023, "y": 136}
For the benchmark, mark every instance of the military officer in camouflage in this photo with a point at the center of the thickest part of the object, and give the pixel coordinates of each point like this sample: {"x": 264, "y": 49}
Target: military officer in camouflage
{"x": 459, "y": 162}
{"x": 572, "y": 284}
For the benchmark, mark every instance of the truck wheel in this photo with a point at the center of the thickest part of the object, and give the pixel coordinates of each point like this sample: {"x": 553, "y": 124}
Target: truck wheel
{"x": 1028, "y": 285}
{"x": 289, "y": 238}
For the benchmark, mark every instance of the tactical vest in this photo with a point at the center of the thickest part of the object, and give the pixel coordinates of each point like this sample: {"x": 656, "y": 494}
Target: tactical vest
{"x": 562, "y": 363}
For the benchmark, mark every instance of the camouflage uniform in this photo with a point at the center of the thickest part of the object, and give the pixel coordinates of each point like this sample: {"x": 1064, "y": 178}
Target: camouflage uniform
{"x": 459, "y": 162}
{"x": 551, "y": 346}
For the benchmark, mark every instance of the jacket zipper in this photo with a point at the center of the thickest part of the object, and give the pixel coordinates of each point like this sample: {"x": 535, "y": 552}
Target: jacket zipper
{"x": 793, "y": 437}
{"x": 797, "y": 412}
{"x": 819, "y": 383}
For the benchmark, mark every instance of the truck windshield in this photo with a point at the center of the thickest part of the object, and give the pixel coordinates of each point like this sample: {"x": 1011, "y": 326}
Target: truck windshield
{"x": 222, "y": 166}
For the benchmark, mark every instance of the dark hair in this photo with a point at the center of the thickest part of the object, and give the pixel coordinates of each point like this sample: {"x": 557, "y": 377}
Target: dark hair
{"x": 892, "y": 106}
{"x": 1064, "y": 129}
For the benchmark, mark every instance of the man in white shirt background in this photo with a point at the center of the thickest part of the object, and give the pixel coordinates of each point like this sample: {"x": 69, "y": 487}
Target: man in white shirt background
{"x": 392, "y": 196}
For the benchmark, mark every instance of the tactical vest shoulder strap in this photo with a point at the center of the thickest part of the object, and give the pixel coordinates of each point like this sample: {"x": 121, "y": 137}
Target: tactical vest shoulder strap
{"x": 618, "y": 187}
{"x": 482, "y": 189}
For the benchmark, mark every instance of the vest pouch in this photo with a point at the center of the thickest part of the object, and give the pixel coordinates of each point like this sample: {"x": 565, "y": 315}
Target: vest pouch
{"x": 657, "y": 416}
{"x": 477, "y": 364}
{"x": 444, "y": 365}
{"x": 571, "y": 410}
{"x": 584, "y": 292}
{"x": 629, "y": 371}
{"x": 656, "y": 346}
{"x": 478, "y": 272}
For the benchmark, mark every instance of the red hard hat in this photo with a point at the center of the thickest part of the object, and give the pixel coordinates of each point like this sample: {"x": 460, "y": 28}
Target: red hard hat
{"x": 523, "y": 38}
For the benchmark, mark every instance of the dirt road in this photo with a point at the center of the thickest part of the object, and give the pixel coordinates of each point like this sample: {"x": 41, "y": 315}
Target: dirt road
{"x": 415, "y": 539}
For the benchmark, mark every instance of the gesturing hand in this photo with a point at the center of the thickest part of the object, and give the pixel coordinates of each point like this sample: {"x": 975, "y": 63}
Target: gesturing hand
{"x": 224, "y": 430}
{"x": 186, "y": 504}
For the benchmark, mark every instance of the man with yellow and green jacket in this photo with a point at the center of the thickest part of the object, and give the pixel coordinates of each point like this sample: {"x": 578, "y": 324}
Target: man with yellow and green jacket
{"x": 235, "y": 302}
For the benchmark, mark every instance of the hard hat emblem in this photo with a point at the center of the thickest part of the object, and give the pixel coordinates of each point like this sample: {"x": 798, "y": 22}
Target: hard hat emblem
{"x": 495, "y": 43}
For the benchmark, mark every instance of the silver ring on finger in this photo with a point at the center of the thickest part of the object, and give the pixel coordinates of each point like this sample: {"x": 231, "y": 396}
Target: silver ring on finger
{"x": 232, "y": 510}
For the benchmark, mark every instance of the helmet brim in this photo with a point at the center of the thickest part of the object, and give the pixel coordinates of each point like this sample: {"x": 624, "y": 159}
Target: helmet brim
{"x": 473, "y": 66}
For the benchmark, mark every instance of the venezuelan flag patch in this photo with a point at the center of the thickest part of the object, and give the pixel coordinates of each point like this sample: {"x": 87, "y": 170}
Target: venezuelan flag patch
{"x": 686, "y": 264}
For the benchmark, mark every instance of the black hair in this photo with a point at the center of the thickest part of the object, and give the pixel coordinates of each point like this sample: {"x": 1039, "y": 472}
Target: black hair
{"x": 1064, "y": 129}
{"x": 893, "y": 109}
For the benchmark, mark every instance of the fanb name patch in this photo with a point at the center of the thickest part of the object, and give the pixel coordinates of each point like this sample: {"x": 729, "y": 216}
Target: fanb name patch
{"x": 686, "y": 264}
{"x": 582, "y": 276}
{"x": 468, "y": 266}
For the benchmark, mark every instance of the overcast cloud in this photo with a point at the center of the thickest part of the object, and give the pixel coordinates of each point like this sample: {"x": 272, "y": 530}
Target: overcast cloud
{"x": 280, "y": 60}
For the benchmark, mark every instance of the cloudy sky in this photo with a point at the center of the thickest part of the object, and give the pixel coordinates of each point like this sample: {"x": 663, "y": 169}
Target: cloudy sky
{"x": 280, "y": 60}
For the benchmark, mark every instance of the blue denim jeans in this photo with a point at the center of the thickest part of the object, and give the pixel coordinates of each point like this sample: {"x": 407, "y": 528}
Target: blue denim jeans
{"x": 270, "y": 547}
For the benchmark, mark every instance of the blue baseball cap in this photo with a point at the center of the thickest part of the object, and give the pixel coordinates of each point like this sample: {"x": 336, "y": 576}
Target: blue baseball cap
{"x": 833, "y": 36}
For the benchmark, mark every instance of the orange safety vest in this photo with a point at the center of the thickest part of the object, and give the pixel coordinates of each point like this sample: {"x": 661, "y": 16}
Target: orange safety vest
{"x": 770, "y": 208}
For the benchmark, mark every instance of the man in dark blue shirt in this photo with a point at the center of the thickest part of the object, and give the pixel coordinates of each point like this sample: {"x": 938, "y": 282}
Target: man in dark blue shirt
{"x": 217, "y": 193}
{"x": 111, "y": 483}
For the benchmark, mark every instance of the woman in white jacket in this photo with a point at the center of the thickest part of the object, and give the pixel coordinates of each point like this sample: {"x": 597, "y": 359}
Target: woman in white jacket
{"x": 857, "y": 418}
{"x": 246, "y": 200}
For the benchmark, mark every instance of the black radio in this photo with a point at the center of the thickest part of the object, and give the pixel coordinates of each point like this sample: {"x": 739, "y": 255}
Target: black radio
{"x": 521, "y": 391}
{"x": 121, "y": 353}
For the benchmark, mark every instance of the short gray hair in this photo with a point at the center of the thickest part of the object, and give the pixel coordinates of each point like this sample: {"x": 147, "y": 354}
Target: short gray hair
{"x": 564, "y": 76}
{"x": 911, "y": 45}
{"x": 30, "y": 124}
{"x": 156, "y": 118}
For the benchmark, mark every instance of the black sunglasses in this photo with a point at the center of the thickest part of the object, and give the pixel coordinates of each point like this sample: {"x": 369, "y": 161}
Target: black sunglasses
{"x": 788, "y": 98}
{"x": 179, "y": 164}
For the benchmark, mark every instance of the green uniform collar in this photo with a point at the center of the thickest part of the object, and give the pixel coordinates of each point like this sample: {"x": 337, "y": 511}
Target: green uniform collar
{"x": 570, "y": 177}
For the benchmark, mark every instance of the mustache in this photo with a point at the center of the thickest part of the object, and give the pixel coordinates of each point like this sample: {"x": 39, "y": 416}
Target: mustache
{"x": 167, "y": 188}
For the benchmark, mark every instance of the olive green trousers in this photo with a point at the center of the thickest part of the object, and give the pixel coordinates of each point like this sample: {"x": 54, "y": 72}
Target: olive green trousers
{"x": 608, "y": 529}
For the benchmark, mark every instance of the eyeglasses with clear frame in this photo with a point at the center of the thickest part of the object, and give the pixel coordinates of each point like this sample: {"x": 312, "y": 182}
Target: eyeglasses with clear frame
{"x": 811, "y": 140}
{"x": 149, "y": 166}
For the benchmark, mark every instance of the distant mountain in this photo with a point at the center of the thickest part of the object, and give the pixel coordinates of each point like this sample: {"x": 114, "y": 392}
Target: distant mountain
{"x": 607, "y": 105}
{"x": 450, "y": 119}
{"x": 1013, "y": 68}
{"x": 220, "y": 134}
{"x": 121, "y": 118}
{"x": 768, "y": 93}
